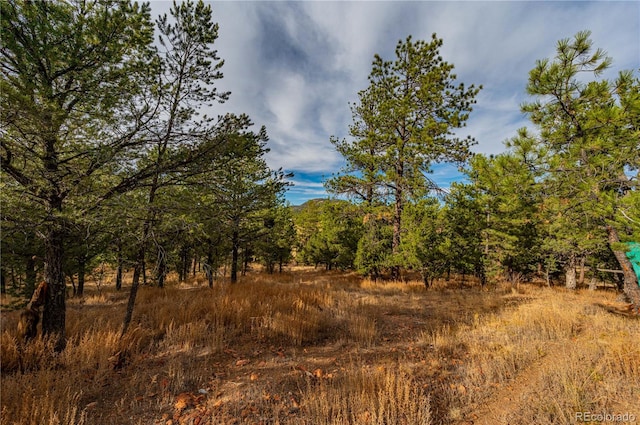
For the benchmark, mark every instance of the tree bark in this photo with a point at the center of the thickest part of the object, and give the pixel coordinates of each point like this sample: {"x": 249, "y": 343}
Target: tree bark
{"x": 234, "y": 255}
{"x": 135, "y": 284}
{"x": 139, "y": 269}
{"x": 209, "y": 269}
{"x": 81, "y": 277}
{"x": 119, "y": 269}
{"x": 30, "y": 275}
{"x": 3, "y": 281}
{"x": 630, "y": 288}
{"x": 570, "y": 273}
{"x": 162, "y": 267}
{"x": 397, "y": 229}
{"x": 54, "y": 314}
{"x": 581, "y": 275}
{"x": 245, "y": 260}
{"x": 183, "y": 264}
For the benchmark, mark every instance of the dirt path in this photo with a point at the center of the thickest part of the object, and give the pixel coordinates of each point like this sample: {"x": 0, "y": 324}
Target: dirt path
{"x": 512, "y": 397}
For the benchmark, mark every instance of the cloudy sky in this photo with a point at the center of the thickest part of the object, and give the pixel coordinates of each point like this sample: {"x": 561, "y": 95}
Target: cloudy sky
{"x": 295, "y": 66}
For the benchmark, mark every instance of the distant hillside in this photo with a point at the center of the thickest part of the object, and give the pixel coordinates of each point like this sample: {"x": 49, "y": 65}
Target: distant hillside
{"x": 298, "y": 208}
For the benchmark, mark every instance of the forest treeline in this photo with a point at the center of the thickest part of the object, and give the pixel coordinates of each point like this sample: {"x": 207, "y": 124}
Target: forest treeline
{"x": 108, "y": 159}
{"x": 560, "y": 204}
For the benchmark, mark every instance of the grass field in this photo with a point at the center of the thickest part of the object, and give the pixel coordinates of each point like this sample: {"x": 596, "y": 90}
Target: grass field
{"x": 311, "y": 347}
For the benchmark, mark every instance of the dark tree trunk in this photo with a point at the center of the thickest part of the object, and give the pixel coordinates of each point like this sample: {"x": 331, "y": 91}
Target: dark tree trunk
{"x": 81, "y": 277}
{"x": 162, "y": 268}
{"x": 209, "y": 269}
{"x": 187, "y": 264}
{"x": 119, "y": 269}
{"x": 425, "y": 279}
{"x": 245, "y": 260}
{"x": 73, "y": 284}
{"x": 139, "y": 268}
{"x": 30, "y": 275}
{"x": 183, "y": 267}
{"x": 14, "y": 282}
{"x": 631, "y": 288}
{"x": 54, "y": 314}
{"x": 3, "y": 281}
{"x": 481, "y": 274}
{"x": 397, "y": 228}
{"x": 143, "y": 267}
{"x": 397, "y": 214}
{"x": 134, "y": 292}
{"x": 234, "y": 255}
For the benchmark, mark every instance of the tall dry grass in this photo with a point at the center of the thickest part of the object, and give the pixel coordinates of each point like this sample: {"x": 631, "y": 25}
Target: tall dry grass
{"x": 309, "y": 347}
{"x": 381, "y": 395}
{"x": 544, "y": 361}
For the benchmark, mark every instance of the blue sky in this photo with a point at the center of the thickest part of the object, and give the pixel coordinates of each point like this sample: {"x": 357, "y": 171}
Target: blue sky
{"x": 295, "y": 66}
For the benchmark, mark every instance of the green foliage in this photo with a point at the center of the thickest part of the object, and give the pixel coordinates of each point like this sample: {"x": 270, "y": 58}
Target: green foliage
{"x": 329, "y": 231}
{"x": 276, "y": 246}
{"x": 374, "y": 253}
{"x": 465, "y": 221}
{"x": 508, "y": 192}
{"x": 426, "y": 246}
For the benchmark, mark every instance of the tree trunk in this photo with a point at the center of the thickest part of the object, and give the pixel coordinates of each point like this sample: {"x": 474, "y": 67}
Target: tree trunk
{"x": 245, "y": 260}
{"x": 162, "y": 267}
{"x": 139, "y": 268}
{"x": 143, "y": 267}
{"x": 30, "y": 275}
{"x": 234, "y": 255}
{"x": 135, "y": 283}
{"x": 3, "y": 281}
{"x": 570, "y": 273}
{"x": 73, "y": 285}
{"x": 14, "y": 282}
{"x": 54, "y": 314}
{"x": 183, "y": 267}
{"x": 81, "y": 277}
{"x": 119, "y": 269}
{"x": 187, "y": 264}
{"x": 581, "y": 275}
{"x": 425, "y": 279}
{"x": 547, "y": 275}
{"x": 397, "y": 228}
{"x": 209, "y": 269}
{"x": 631, "y": 288}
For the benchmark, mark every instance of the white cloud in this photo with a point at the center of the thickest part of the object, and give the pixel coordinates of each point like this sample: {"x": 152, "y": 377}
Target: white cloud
{"x": 295, "y": 66}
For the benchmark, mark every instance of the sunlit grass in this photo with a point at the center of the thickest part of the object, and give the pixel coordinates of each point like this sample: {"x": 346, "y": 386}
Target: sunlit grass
{"x": 315, "y": 347}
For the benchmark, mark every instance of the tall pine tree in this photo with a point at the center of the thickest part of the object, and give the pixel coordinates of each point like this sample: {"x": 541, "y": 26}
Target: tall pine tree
{"x": 403, "y": 124}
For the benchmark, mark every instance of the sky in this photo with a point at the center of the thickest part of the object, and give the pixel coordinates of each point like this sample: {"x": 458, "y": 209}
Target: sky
{"x": 295, "y": 66}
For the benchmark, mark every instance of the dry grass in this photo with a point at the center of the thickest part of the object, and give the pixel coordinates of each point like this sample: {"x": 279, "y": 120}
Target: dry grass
{"x": 544, "y": 361}
{"x": 368, "y": 395}
{"x": 311, "y": 347}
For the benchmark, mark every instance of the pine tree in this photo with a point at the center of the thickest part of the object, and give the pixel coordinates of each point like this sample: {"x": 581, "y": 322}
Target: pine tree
{"x": 403, "y": 125}
{"x": 590, "y": 130}
{"x": 70, "y": 74}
